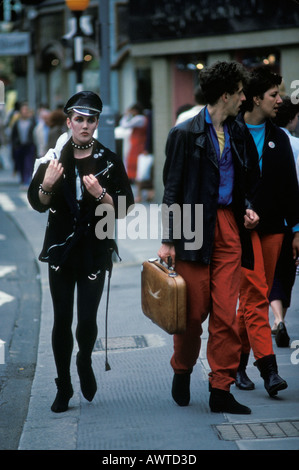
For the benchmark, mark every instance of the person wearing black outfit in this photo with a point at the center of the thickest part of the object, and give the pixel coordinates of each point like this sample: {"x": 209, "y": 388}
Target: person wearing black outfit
{"x": 71, "y": 187}
{"x": 285, "y": 273}
{"x": 276, "y": 199}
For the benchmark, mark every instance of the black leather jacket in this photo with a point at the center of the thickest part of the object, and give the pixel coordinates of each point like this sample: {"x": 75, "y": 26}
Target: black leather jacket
{"x": 191, "y": 176}
{"x": 70, "y": 229}
{"x": 275, "y": 193}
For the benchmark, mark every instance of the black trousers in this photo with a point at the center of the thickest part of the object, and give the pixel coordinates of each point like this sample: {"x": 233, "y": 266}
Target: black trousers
{"x": 285, "y": 273}
{"x": 89, "y": 293}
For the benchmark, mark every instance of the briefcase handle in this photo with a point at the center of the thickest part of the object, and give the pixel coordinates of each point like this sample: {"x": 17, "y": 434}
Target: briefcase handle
{"x": 167, "y": 268}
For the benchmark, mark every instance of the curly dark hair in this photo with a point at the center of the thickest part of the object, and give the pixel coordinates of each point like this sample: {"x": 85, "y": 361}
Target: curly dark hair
{"x": 286, "y": 112}
{"x": 221, "y": 77}
{"x": 261, "y": 79}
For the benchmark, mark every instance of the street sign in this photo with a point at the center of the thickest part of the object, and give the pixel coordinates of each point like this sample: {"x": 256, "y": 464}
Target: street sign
{"x": 13, "y": 44}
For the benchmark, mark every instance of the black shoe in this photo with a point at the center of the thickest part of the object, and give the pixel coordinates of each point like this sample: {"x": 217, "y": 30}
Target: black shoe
{"x": 282, "y": 338}
{"x": 181, "y": 389}
{"x": 267, "y": 366}
{"x": 87, "y": 379}
{"x": 63, "y": 396}
{"x": 243, "y": 382}
{"x": 273, "y": 331}
{"x": 222, "y": 401}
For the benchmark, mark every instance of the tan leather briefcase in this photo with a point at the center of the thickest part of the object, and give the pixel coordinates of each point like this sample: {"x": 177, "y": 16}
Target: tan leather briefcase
{"x": 163, "y": 296}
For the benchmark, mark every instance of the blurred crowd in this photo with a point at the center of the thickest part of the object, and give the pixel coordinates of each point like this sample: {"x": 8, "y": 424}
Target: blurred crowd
{"x": 27, "y": 135}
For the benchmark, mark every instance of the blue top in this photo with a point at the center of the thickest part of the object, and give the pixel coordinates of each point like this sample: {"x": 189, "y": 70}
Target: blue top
{"x": 258, "y": 134}
{"x": 225, "y": 161}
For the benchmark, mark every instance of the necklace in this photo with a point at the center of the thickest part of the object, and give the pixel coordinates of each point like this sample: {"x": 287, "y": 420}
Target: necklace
{"x": 82, "y": 147}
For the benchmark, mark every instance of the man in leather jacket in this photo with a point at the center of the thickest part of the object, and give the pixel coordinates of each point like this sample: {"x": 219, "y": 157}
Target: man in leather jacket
{"x": 204, "y": 170}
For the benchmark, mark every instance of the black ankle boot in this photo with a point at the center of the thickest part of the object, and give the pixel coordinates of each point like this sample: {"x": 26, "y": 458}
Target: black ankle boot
{"x": 87, "y": 379}
{"x": 181, "y": 389}
{"x": 282, "y": 338}
{"x": 243, "y": 382}
{"x": 222, "y": 401}
{"x": 63, "y": 396}
{"x": 268, "y": 369}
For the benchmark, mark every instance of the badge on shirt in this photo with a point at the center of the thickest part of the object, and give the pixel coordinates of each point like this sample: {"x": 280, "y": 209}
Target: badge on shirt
{"x": 271, "y": 144}
{"x": 99, "y": 154}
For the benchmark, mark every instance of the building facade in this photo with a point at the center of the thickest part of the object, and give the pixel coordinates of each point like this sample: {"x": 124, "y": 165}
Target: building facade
{"x": 176, "y": 38}
{"x": 155, "y": 49}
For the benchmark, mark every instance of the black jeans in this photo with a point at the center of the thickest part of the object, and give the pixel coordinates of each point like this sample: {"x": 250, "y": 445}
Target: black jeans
{"x": 89, "y": 292}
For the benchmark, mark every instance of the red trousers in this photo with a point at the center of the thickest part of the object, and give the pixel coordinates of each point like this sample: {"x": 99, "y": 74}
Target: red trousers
{"x": 253, "y": 311}
{"x": 213, "y": 290}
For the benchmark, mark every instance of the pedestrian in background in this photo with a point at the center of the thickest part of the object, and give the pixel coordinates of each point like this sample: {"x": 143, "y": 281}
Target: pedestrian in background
{"x": 203, "y": 166}
{"x": 23, "y": 145}
{"x": 135, "y": 120}
{"x": 57, "y": 126}
{"x": 276, "y": 200}
{"x": 68, "y": 186}
{"x": 285, "y": 273}
{"x": 11, "y": 118}
{"x": 41, "y": 131}
{"x": 193, "y": 110}
{"x": 145, "y": 164}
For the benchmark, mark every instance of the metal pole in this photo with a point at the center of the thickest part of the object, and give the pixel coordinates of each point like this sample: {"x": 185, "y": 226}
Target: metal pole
{"x": 78, "y": 53}
{"x": 107, "y": 119}
{"x": 31, "y": 82}
{"x": 105, "y": 51}
{"x": 6, "y": 11}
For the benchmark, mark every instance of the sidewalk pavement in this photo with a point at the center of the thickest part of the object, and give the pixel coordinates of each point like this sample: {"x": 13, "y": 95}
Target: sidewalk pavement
{"x": 133, "y": 409}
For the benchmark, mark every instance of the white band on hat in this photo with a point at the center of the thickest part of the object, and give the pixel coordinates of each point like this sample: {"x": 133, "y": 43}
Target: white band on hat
{"x": 80, "y": 109}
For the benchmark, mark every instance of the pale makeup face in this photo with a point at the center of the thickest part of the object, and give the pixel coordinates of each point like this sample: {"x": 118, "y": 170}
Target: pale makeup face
{"x": 268, "y": 106}
{"x": 82, "y": 127}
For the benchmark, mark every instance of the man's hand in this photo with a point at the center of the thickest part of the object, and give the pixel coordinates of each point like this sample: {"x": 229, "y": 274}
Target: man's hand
{"x": 167, "y": 250}
{"x": 251, "y": 219}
